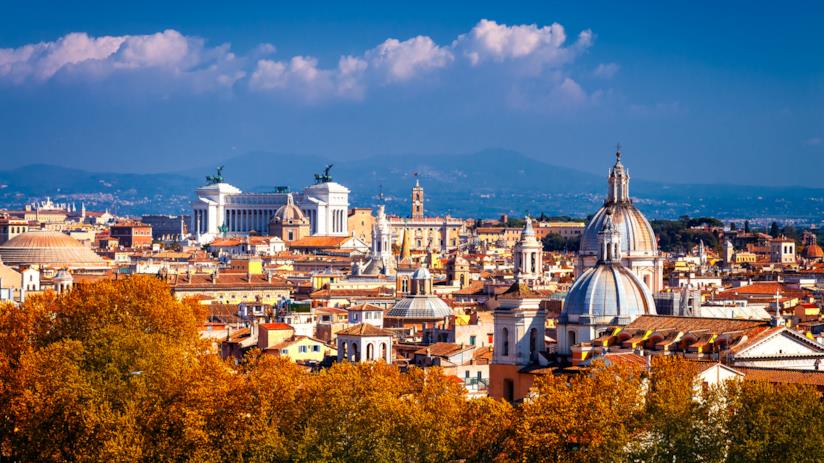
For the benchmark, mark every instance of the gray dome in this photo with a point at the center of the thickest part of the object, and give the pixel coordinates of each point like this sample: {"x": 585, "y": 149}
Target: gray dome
{"x": 608, "y": 293}
{"x": 421, "y": 274}
{"x": 637, "y": 237}
{"x": 420, "y": 307}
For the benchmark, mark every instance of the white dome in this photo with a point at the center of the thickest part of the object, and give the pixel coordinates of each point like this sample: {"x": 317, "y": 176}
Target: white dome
{"x": 608, "y": 293}
{"x": 637, "y": 237}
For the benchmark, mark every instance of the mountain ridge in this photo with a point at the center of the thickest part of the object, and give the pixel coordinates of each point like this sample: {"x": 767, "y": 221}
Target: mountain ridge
{"x": 484, "y": 183}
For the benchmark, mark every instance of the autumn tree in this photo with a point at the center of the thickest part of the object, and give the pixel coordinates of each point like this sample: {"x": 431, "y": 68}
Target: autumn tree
{"x": 683, "y": 421}
{"x": 589, "y": 417}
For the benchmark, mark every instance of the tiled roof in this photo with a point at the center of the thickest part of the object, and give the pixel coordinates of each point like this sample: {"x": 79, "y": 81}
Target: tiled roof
{"x": 442, "y": 349}
{"x": 717, "y": 325}
{"x": 363, "y": 307}
{"x": 276, "y": 326}
{"x": 227, "y": 280}
{"x": 352, "y": 292}
{"x": 364, "y": 329}
{"x": 772, "y": 375}
{"x": 319, "y": 242}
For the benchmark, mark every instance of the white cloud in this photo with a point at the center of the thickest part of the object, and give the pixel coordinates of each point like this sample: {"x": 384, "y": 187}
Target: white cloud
{"x": 402, "y": 61}
{"x": 489, "y": 41}
{"x": 606, "y": 70}
{"x": 95, "y": 57}
{"x": 536, "y": 54}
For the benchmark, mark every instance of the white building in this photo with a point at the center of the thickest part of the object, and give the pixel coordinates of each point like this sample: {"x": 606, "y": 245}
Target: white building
{"x": 365, "y": 343}
{"x": 221, "y": 208}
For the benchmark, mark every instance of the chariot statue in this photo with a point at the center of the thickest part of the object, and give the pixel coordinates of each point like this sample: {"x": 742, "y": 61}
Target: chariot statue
{"x": 324, "y": 177}
{"x": 217, "y": 178}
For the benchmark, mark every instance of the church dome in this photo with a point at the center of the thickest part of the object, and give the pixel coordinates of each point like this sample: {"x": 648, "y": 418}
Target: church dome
{"x": 420, "y": 307}
{"x": 813, "y": 251}
{"x": 48, "y": 248}
{"x": 637, "y": 237}
{"x": 609, "y": 291}
{"x": 289, "y": 213}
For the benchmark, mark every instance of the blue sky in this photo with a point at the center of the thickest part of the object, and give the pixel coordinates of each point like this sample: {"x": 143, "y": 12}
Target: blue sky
{"x": 694, "y": 91}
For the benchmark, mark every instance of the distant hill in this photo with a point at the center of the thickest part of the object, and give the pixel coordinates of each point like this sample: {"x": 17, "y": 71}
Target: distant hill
{"x": 482, "y": 184}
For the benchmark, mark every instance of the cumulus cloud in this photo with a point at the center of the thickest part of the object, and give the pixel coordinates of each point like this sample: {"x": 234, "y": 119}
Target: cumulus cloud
{"x": 96, "y": 56}
{"x": 606, "y": 70}
{"x": 530, "y": 47}
{"x": 532, "y": 51}
{"x": 401, "y": 61}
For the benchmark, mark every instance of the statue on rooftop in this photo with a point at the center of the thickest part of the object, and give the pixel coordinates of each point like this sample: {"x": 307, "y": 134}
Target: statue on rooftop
{"x": 324, "y": 177}
{"x": 217, "y": 178}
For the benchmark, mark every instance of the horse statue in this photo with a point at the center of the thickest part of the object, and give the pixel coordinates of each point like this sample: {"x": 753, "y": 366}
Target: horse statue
{"x": 217, "y": 178}
{"x": 324, "y": 177}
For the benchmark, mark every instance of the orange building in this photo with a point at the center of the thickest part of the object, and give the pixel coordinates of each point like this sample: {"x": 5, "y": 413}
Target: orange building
{"x": 132, "y": 234}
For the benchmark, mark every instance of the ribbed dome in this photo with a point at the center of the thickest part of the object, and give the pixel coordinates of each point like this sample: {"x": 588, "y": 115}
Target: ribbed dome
{"x": 288, "y": 213}
{"x": 606, "y": 292}
{"x": 51, "y": 248}
{"x": 637, "y": 237}
{"x": 813, "y": 251}
{"x": 420, "y": 307}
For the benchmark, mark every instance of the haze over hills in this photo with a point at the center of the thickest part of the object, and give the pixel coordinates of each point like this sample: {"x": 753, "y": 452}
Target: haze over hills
{"x": 482, "y": 184}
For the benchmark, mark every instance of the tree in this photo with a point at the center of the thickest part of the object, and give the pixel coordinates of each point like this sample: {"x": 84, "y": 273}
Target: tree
{"x": 589, "y": 417}
{"x": 774, "y": 232}
{"x": 683, "y": 422}
{"x": 774, "y": 422}
{"x": 746, "y": 226}
{"x": 557, "y": 243}
{"x": 733, "y": 226}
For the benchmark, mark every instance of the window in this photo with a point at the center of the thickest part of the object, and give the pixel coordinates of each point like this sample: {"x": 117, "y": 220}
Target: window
{"x": 472, "y": 340}
{"x": 316, "y": 348}
{"x": 284, "y": 351}
{"x": 505, "y": 336}
{"x": 303, "y": 349}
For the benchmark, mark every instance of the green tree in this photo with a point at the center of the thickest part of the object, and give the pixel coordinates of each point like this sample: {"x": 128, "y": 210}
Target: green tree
{"x": 774, "y": 422}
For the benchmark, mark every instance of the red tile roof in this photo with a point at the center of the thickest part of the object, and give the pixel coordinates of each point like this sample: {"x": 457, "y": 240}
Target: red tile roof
{"x": 276, "y": 326}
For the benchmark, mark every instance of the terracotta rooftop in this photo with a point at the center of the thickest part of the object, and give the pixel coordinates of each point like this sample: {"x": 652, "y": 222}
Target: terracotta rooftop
{"x": 443, "y": 349}
{"x": 716, "y": 325}
{"x": 276, "y": 326}
{"x": 364, "y": 329}
{"x": 319, "y": 242}
{"x": 815, "y": 378}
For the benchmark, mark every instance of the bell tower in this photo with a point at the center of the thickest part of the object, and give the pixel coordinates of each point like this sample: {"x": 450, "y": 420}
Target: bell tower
{"x": 417, "y": 200}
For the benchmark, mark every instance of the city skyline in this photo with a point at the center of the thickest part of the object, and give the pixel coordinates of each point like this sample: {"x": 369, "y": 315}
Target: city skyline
{"x": 698, "y": 94}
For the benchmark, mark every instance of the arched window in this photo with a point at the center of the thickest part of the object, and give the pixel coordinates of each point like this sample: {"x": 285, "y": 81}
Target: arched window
{"x": 355, "y": 353}
{"x": 384, "y": 355}
{"x": 505, "y": 341}
{"x": 343, "y": 349}
{"x": 571, "y": 337}
{"x": 370, "y": 351}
